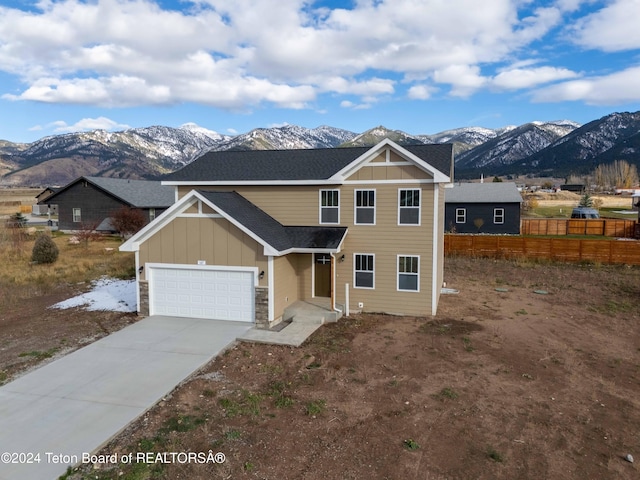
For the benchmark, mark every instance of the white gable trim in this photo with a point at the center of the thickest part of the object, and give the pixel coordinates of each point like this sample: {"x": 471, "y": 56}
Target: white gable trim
{"x": 176, "y": 210}
{"x": 354, "y": 166}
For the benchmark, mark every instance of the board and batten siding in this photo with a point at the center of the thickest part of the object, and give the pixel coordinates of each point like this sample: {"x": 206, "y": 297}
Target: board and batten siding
{"x": 287, "y": 286}
{"x": 213, "y": 240}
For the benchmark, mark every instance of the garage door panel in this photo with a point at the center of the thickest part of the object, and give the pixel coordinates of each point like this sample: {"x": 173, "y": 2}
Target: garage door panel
{"x": 202, "y": 293}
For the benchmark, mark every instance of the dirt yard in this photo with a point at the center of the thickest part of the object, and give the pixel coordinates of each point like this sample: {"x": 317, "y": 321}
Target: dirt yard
{"x": 532, "y": 371}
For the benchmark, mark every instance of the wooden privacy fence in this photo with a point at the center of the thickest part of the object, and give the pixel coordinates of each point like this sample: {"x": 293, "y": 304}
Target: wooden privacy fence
{"x": 608, "y": 227}
{"x": 557, "y": 249}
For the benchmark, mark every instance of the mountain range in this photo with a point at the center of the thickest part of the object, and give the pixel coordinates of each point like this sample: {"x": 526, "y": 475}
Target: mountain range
{"x": 557, "y": 148}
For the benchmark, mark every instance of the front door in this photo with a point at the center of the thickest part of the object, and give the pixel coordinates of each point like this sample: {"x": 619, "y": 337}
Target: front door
{"x": 322, "y": 275}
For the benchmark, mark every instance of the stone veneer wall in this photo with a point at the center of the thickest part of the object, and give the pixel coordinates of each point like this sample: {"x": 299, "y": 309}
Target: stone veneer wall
{"x": 143, "y": 308}
{"x": 262, "y": 307}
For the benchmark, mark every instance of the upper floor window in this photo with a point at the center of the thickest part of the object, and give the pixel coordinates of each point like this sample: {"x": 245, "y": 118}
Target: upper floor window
{"x": 461, "y": 215}
{"x": 363, "y": 270}
{"x": 365, "y": 207}
{"x": 77, "y": 215}
{"x": 409, "y": 207}
{"x": 152, "y": 214}
{"x": 498, "y": 215}
{"x": 329, "y": 206}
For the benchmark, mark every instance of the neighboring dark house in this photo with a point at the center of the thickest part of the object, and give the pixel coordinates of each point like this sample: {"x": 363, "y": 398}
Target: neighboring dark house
{"x": 483, "y": 208}
{"x": 88, "y": 202}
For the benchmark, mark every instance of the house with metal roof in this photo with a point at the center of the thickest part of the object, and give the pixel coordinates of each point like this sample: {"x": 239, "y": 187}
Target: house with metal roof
{"x": 89, "y": 202}
{"x": 253, "y": 232}
{"x": 492, "y": 207}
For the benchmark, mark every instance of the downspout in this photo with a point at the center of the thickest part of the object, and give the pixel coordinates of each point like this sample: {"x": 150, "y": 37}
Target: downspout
{"x": 137, "y": 262}
{"x": 333, "y": 283}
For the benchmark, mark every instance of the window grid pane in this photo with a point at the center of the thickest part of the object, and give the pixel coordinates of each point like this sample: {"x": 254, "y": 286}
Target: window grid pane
{"x": 329, "y": 198}
{"x": 409, "y": 198}
{"x": 365, "y": 207}
{"x": 363, "y": 266}
{"x": 329, "y": 206}
{"x": 409, "y": 213}
{"x": 408, "y": 273}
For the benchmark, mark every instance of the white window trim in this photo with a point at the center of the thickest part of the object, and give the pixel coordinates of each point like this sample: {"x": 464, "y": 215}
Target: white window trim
{"x": 320, "y": 207}
{"x": 419, "y": 208}
{"x": 463, "y": 215}
{"x": 398, "y": 273}
{"x": 76, "y": 218}
{"x": 496, "y": 215}
{"x": 372, "y": 271}
{"x": 355, "y": 205}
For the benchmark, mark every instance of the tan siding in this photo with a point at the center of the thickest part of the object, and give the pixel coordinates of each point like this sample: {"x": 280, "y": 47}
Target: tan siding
{"x": 192, "y": 208}
{"x": 390, "y": 172}
{"x": 206, "y": 209}
{"x": 381, "y": 157}
{"x": 298, "y": 205}
{"x": 286, "y": 283}
{"x": 412, "y": 172}
{"x": 379, "y": 173}
{"x": 386, "y": 240}
{"x": 305, "y": 270}
{"x": 216, "y": 241}
{"x": 394, "y": 157}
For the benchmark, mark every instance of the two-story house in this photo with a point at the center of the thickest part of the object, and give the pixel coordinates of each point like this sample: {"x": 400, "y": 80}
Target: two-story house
{"x": 252, "y": 232}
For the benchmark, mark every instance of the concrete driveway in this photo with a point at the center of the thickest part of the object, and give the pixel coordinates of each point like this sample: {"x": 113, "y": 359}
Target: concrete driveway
{"x": 74, "y": 405}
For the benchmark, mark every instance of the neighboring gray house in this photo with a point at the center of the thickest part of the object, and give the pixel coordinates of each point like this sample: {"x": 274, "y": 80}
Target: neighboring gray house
{"x": 483, "y": 208}
{"x": 90, "y": 201}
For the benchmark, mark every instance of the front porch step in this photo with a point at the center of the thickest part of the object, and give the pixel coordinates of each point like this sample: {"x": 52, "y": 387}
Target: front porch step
{"x": 311, "y": 313}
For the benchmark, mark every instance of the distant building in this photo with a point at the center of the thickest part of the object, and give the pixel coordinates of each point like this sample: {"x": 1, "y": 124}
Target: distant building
{"x": 90, "y": 201}
{"x": 483, "y": 208}
{"x": 578, "y": 188}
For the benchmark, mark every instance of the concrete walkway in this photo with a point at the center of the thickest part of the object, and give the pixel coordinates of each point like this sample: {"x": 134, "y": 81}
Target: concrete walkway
{"x": 75, "y": 404}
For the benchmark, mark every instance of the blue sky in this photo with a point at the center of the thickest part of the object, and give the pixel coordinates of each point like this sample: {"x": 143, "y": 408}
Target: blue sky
{"x": 422, "y": 66}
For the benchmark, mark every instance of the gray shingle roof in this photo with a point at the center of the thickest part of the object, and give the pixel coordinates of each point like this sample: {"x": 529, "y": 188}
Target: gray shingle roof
{"x": 137, "y": 193}
{"x": 269, "y": 229}
{"x": 493, "y": 192}
{"x": 292, "y": 165}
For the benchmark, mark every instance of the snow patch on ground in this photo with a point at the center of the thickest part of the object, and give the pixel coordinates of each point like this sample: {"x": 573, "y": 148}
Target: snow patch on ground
{"x": 105, "y": 294}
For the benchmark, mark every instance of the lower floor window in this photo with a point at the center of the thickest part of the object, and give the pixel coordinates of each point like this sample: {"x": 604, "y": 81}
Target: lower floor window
{"x": 461, "y": 215}
{"x": 363, "y": 271}
{"x": 408, "y": 273}
{"x": 77, "y": 215}
{"x": 498, "y": 215}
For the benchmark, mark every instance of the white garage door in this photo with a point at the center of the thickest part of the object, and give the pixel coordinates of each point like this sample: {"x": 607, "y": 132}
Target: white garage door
{"x": 202, "y": 292}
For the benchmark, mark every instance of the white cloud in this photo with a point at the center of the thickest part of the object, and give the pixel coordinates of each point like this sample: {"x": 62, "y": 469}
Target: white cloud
{"x": 100, "y": 123}
{"x": 420, "y": 92}
{"x": 613, "y": 28}
{"x": 243, "y": 53}
{"x": 611, "y": 89}
{"x": 520, "y": 78}
{"x": 464, "y": 79}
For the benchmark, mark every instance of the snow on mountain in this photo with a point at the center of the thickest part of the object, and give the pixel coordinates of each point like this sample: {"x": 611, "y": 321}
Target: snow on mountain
{"x": 153, "y": 151}
{"x": 287, "y": 137}
{"x": 514, "y": 145}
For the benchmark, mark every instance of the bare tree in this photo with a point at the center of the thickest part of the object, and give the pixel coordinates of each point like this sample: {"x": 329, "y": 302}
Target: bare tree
{"x": 127, "y": 221}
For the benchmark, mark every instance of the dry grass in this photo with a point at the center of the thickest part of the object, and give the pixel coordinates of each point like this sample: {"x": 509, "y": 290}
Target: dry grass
{"x": 12, "y": 198}
{"x": 20, "y": 279}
